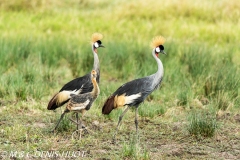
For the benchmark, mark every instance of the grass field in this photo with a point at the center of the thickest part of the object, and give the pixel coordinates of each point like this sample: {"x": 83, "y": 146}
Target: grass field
{"x": 195, "y": 114}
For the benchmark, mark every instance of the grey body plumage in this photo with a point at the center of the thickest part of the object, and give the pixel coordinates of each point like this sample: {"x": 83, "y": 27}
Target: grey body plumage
{"x": 133, "y": 93}
{"x": 81, "y": 102}
{"x": 83, "y": 82}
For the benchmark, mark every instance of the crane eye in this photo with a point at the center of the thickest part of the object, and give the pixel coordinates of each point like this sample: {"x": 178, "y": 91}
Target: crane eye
{"x": 96, "y": 45}
{"x": 157, "y": 50}
{"x": 161, "y": 47}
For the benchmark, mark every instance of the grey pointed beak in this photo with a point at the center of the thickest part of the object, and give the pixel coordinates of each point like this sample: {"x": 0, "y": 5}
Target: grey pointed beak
{"x": 163, "y": 52}
{"x": 101, "y": 45}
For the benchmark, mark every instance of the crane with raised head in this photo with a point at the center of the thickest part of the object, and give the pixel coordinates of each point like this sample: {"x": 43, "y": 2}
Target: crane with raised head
{"x": 81, "y": 102}
{"x": 133, "y": 93}
{"x": 82, "y": 84}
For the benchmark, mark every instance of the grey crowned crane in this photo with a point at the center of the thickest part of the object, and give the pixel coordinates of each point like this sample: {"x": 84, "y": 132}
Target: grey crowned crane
{"x": 82, "y": 84}
{"x": 81, "y": 102}
{"x": 133, "y": 93}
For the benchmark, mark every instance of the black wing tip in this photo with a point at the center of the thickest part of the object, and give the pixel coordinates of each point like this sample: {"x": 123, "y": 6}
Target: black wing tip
{"x": 52, "y": 107}
{"x": 108, "y": 106}
{"x": 52, "y": 103}
{"x": 105, "y": 112}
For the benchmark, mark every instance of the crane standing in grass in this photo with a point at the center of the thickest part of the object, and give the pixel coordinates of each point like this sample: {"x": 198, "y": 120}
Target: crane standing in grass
{"x": 81, "y": 102}
{"x": 134, "y": 92}
{"x": 79, "y": 85}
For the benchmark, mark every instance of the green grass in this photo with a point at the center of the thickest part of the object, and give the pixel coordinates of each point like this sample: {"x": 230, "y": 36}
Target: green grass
{"x": 44, "y": 44}
{"x": 202, "y": 124}
{"x": 134, "y": 150}
{"x": 151, "y": 109}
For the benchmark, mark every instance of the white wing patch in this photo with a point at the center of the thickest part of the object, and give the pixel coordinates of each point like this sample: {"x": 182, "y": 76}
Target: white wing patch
{"x": 80, "y": 106}
{"x": 76, "y": 92}
{"x": 130, "y": 99}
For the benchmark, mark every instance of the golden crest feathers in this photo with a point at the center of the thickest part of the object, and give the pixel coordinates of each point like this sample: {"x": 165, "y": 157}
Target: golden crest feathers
{"x": 96, "y": 37}
{"x": 157, "y": 41}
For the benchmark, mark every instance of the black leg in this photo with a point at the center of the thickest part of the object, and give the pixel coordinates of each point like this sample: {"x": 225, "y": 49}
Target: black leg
{"x": 136, "y": 120}
{"x": 119, "y": 121}
{"x": 66, "y": 111}
{"x": 79, "y": 125}
{"x": 77, "y": 121}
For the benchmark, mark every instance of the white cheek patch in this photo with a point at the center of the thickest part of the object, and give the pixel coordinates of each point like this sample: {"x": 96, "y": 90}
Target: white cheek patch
{"x": 96, "y": 45}
{"x": 157, "y": 49}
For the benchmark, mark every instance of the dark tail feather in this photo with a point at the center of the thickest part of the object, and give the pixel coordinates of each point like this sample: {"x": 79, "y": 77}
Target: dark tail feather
{"x": 52, "y": 105}
{"x": 108, "y": 105}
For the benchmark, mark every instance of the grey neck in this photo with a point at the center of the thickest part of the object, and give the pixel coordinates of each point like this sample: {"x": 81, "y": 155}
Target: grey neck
{"x": 96, "y": 65}
{"x": 157, "y": 77}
